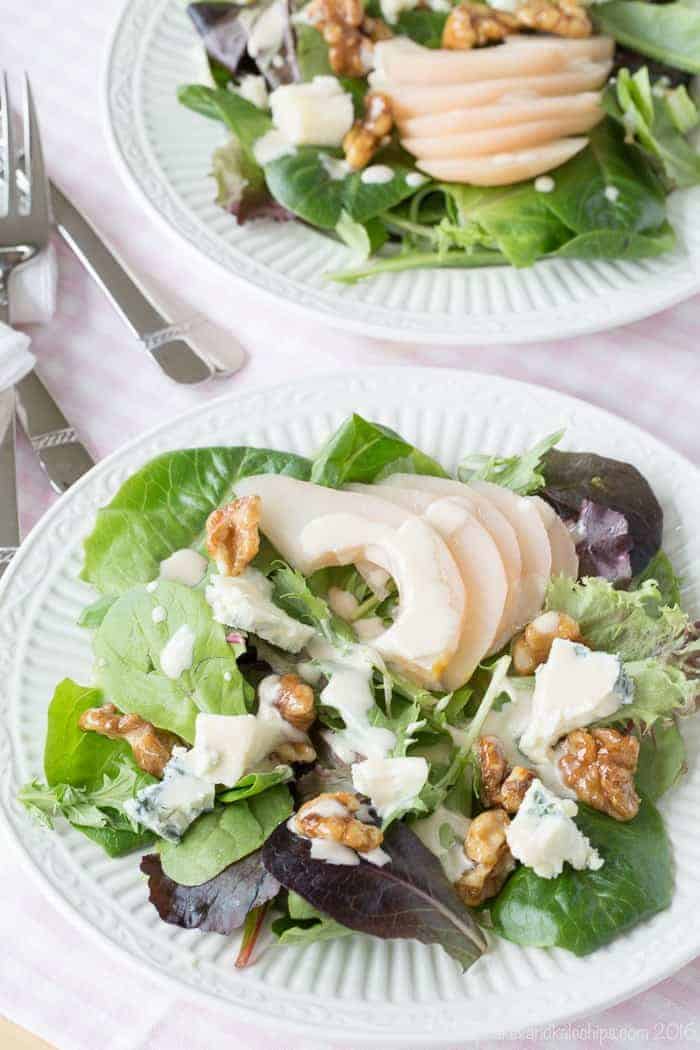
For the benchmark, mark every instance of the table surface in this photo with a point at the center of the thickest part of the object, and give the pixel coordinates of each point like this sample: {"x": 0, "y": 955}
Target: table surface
{"x": 55, "y": 982}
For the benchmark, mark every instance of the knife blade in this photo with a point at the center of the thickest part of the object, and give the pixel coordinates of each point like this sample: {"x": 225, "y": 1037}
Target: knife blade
{"x": 9, "y": 517}
{"x": 54, "y": 441}
{"x": 167, "y": 343}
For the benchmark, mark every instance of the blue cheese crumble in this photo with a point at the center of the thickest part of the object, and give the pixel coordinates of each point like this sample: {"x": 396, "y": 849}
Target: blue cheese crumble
{"x": 544, "y": 837}
{"x": 170, "y": 806}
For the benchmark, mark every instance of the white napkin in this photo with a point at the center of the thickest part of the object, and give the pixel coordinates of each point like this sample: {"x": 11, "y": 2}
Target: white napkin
{"x": 33, "y": 289}
{"x": 15, "y": 358}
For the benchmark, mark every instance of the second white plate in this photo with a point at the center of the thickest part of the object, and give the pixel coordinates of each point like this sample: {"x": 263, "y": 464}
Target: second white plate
{"x": 165, "y": 151}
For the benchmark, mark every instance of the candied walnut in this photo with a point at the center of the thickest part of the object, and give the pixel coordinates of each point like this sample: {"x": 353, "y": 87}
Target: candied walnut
{"x": 514, "y": 788}
{"x": 233, "y": 538}
{"x": 533, "y": 646}
{"x": 291, "y": 751}
{"x": 474, "y": 25}
{"x": 313, "y": 821}
{"x": 486, "y": 845}
{"x": 296, "y": 702}
{"x": 151, "y": 747}
{"x": 599, "y": 765}
{"x": 561, "y": 17}
{"x": 365, "y": 136}
{"x": 350, "y": 34}
{"x": 501, "y": 786}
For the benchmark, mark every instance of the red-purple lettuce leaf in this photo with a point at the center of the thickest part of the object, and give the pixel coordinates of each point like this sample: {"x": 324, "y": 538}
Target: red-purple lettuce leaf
{"x": 573, "y": 479}
{"x": 409, "y": 897}
{"x": 217, "y": 906}
{"x": 603, "y": 542}
{"x": 225, "y": 37}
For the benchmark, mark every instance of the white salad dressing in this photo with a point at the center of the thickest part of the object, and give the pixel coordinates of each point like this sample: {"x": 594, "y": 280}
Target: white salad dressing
{"x": 544, "y": 184}
{"x": 178, "y": 652}
{"x": 335, "y": 168}
{"x": 390, "y": 783}
{"x": 377, "y": 175}
{"x": 414, "y": 179}
{"x": 444, "y": 832}
{"x": 327, "y": 849}
{"x": 349, "y": 692}
{"x": 184, "y": 566}
{"x": 158, "y": 614}
{"x": 268, "y": 711}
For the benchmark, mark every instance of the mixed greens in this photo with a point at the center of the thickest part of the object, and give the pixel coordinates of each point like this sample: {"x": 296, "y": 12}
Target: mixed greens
{"x": 125, "y": 764}
{"x": 607, "y": 201}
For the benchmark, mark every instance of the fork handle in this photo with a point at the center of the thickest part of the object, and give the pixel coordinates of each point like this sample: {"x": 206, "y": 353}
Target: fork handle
{"x": 56, "y": 444}
{"x": 9, "y": 519}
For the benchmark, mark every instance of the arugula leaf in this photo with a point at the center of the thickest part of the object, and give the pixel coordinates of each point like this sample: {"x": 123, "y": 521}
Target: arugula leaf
{"x": 362, "y": 451}
{"x": 661, "y": 760}
{"x": 668, "y": 32}
{"x": 128, "y": 648}
{"x": 294, "y": 595}
{"x": 661, "y": 571}
{"x": 657, "y": 120}
{"x": 520, "y": 473}
{"x": 301, "y": 182}
{"x": 224, "y": 836}
{"x": 219, "y": 905}
{"x": 635, "y": 624}
{"x": 255, "y": 783}
{"x": 80, "y": 805}
{"x": 408, "y": 897}
{"x": 303, "y": 924}
{"x": 164, "y": 507}
{"x": 583, "y": 910}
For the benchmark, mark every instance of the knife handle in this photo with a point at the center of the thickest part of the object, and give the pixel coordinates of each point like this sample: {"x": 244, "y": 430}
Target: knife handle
{"x": 169, "y": 349}
{"x": 54, "y": 441}
{"x": 9, "y": 517}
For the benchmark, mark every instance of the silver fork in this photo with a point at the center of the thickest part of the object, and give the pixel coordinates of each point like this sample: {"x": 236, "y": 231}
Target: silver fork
{"x": 22, "y": 235}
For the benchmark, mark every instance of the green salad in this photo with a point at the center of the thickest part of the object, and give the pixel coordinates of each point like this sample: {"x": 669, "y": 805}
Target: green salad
{"x": 354, "y": 693}
{"x": 431, "y": 133}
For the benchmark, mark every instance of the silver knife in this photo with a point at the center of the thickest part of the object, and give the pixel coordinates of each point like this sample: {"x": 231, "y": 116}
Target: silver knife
{"x": 9, "y": 518}
{"x": 55, "y": 442}
{"x": 163, "y": 340}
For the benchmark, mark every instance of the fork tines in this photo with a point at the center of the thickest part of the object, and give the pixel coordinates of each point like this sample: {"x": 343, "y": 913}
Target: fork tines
{"x": 16, "y": 227}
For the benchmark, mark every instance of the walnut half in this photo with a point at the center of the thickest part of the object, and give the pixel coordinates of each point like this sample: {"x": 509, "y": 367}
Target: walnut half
{"x": 330, "y": 816}
{"x": 349, "y": 33}
{"x": 475, "y": 25}
{"x": 365, "y": 136}
{"x": 233, "y": 538}
{"x": 486, "y": 845}
{"x": 599, "y": 765}
{"x": 499, "y": 785}
{"x": 565, "y": 18}
{"x": 533, "y": 646}
{"x": 151, "y": 747}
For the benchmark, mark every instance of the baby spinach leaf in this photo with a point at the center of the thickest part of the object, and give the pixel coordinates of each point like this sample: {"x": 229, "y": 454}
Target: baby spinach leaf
{"x": 408, "y": 897}
{"x": 661, "y": 760}
{"x": 128, "y": 648}
{"x": 520, "y": 473}
{"x": 575, "y": 477}
{"x": 303, "y": 183}
{"x": 635, "y": 624}
{"x": 224, "y": 836}
{"x": 362, "y": 451}
{"x": 303, "y": 924}
{"x": 83, "y": 771}
{"x": 580, "y": 198}
{"x": 619, "y": 244}
{"x": 164, "y": 507}
{"x": 247, "y": 121}
{"x": 661, "y": 571}
{"x": 668, "y": 32}
{"x": 255, "y": 783}
{"x": 219, "y": 905}
{"x": 583, "y": 910}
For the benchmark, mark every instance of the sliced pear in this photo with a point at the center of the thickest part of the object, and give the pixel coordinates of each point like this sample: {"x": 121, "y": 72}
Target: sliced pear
{"x": 401, "y": 61}
{"x": 480, "y": 566}
{"x": 501, "y": 140}
{"x": 313, "y": 526}
{"x": 408, "y": 102}
{"x": 495, "y": 523}
{"x": 427, "y": 629}
{"x": 504, "y": 114}
{"x": 564, "y": 557}
{"x": 523, "y": 514}
{"x": 503, "y": 169}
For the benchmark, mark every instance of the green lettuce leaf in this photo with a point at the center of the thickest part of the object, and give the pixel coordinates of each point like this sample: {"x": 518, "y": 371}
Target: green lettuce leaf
{"x": 520, "y": 473}
{"x": 223, "y": 836}
{"x": 362, "y": 451}
{"x": 303, "y": 924}
{"x": 128, "y": 647}
{"x": 635, "y": 624}
{"x": 255, "y": 783}
{"x": 164, "y": 507}
{"x": 659, "y": 691}
{"x": 661, "y": 760}
{"x": 583, "y": 910}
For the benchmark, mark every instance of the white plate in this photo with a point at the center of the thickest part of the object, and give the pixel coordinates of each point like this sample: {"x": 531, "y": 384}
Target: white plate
{"x": 357, "y": 989}
{"x": 164, "y": 152}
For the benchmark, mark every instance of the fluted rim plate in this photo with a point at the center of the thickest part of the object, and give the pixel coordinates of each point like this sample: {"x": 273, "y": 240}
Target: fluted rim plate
{"x": 356, "y": 990}
{"x": 164, "y": 154}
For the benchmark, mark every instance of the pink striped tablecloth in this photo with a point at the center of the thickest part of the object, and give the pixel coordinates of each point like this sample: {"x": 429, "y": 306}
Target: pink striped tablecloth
{"x": 53, "y": 981}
